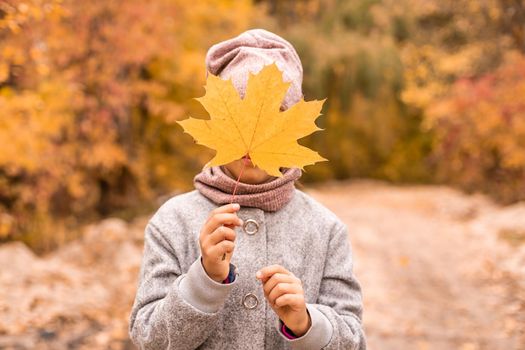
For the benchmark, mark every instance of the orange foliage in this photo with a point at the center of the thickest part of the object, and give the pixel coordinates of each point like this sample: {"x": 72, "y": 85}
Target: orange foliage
{"x": 480, "y": 132}
{"x": 89, "y": 95}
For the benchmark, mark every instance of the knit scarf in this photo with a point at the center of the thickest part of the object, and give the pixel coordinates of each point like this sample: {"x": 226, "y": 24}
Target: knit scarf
{"x": 217, "y": 186}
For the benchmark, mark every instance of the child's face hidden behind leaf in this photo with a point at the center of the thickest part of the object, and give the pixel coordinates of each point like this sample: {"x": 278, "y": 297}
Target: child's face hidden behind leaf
{"x": 251, "y": 173}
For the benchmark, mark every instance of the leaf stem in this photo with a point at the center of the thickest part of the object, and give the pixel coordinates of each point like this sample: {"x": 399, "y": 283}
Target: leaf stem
{"x": 245, "y": 158}
{"x": 239, "y": 178}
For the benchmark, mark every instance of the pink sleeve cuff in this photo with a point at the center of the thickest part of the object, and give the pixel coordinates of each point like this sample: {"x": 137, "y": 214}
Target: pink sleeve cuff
{"x": 287, "y": 332}
{"x": 231, "y": 276}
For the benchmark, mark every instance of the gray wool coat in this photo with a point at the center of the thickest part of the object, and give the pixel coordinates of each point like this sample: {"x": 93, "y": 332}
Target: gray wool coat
{"x": 178, "y": 306}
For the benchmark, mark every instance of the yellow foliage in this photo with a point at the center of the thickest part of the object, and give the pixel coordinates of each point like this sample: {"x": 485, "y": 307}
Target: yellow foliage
{"x": 89, "y": 95}
{"x": 480, "y": 132}
{"x": 458, "y": 38}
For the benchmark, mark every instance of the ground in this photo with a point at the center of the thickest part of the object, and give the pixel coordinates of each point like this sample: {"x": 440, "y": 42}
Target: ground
{"x": 427, "y": 259}
{"x": 439, "y": 269}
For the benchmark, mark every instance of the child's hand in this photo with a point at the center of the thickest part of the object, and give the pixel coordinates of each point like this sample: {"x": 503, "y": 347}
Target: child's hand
{"x": 215, "y": 240}
{"x": 285, "y": 294}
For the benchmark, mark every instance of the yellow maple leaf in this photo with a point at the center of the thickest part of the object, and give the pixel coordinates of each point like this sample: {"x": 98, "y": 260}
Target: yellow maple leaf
{"x": 254, "y": 125}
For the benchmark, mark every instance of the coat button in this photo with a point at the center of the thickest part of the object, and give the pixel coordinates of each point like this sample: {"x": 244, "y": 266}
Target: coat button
{"x": 250, "y": 226}
{"x": 250, "y": 301}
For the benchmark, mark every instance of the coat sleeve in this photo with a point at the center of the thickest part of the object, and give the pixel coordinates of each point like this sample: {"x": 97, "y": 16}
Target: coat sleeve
{"x": 337, "y": 315}
{"x": 173, "y": 309}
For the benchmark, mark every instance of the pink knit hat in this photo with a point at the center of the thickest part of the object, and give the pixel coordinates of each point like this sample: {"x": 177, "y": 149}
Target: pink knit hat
{"x": 250, "y": 52}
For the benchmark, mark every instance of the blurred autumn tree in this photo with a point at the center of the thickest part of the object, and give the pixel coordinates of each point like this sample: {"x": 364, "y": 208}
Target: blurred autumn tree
{"x": 349, "y": 53}
{"x": 464, "y": 68}
{"x": 89, "y": 93}
{"x": 480, "y": 131}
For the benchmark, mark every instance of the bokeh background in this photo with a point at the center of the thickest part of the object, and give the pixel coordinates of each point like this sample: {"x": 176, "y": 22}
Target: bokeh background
{"x": 424, "y": 131}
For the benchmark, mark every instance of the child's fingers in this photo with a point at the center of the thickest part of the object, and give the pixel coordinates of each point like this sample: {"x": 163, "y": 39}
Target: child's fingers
{"x": 283, "y": 288}
{"x": 218, "y": 250}
{"x": 266, "y": 272}
{"x": 228, "y": 208}
{"x": 221, "y": 233}
{"x": 293, "y": 300}
{"x": 221, "y": 219}
{"x": 276, "y": 279}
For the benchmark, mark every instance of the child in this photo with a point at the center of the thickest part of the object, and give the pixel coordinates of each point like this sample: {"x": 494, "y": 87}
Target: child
{"x": 273, "y": 270}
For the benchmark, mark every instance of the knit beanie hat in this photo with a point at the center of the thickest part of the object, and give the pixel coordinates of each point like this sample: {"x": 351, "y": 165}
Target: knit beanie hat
{"x": 250, "y": 52}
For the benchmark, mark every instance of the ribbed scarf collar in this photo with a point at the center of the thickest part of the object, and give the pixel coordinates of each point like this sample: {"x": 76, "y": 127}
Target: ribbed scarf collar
{"x": 217, "y": 186}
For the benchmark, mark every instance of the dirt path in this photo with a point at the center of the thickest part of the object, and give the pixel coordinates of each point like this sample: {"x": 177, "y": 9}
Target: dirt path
{"x": 429, "y": 280}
